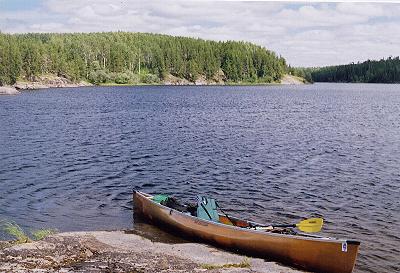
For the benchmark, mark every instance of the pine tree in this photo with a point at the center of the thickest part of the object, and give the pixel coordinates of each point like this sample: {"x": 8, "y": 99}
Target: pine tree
{"x": 100, "y": 57}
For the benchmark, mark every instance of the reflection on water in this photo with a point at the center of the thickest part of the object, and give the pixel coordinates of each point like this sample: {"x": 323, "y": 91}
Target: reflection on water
{"x": 71, "y": 157}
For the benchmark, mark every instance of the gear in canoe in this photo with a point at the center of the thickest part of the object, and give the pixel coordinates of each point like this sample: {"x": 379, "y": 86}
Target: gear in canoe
{"x": 290, "y": 244}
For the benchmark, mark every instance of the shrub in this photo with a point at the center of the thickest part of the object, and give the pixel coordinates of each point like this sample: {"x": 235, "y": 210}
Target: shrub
{"x": 126, "y": 77}
{"x": 122, "y": 78}
{"x": 99, "y": 76}
{"x": 150, "y": 78}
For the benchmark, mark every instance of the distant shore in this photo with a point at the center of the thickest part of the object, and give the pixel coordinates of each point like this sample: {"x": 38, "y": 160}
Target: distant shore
{"x": 118, "y": 251}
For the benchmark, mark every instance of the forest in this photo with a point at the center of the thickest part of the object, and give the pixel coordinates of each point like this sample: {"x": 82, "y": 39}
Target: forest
{"x": 132, "y": 58}
{"x": 382, "y": 71}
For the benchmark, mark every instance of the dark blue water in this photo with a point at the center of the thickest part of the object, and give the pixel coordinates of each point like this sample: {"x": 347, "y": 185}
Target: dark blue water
{"x": 69, "y": 158}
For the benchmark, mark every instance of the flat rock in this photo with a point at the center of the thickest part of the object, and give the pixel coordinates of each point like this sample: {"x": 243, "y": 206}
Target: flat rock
{"x": 117, "y": 251}
{"x": 8, "y": 90}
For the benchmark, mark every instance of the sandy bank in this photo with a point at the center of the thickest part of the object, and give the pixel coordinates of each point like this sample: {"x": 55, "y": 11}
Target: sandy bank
{"x": 8, "y": 90}
{"x": 117, "y": 251}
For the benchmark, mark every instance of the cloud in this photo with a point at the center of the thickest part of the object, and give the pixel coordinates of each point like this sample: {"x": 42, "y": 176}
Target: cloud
{"x": 306, "y": 34}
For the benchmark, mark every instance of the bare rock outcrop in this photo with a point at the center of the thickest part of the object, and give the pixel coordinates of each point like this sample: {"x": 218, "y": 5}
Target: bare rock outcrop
{"x": 8, "y": 90}
{"x": 48, "y": 81}
{"x": 292, "y": 80}
{"x": 118, "y": 251}
{"x": 172, "y": 80}
{"x": 218, "y": 79}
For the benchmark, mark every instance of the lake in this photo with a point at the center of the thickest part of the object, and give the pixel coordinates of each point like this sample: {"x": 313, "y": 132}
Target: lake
{"x": 69, "y": 158}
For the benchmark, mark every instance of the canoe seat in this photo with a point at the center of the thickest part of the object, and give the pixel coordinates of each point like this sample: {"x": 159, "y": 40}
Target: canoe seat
{"x": 207, "y": 209}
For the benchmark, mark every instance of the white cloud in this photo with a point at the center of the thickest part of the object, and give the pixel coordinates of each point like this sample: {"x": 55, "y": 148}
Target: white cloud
{"x": 357, "y": 9}
{"x": 46, "y": 27}
{"x": 306, "y": 34}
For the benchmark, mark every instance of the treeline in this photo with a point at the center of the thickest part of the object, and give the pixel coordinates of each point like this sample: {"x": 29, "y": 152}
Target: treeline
{"x": 133, "y": 57}
{"x": 382, "y": 71}
{"x": 302, "y": 72}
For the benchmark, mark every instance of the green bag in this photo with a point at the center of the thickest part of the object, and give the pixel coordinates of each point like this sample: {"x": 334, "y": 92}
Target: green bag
{"x": 159, "y": 198}
{"x": 207, "y": 209}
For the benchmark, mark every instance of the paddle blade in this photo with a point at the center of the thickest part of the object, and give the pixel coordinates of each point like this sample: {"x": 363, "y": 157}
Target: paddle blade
{"x": 310, "y": 225}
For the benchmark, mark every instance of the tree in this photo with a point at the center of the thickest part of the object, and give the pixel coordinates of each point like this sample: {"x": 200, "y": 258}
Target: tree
{"x": 382, "y": 71}
{"x": 100, "y": 57}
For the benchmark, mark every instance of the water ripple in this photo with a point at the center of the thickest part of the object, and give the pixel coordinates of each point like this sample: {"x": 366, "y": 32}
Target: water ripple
{"x": 71, "y": 157}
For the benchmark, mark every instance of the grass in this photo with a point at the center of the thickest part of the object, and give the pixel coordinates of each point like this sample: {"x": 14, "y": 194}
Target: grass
{"x": 15, "y": 231}
{"x": 244, "y": 264}
{"x": 42, "y": 233}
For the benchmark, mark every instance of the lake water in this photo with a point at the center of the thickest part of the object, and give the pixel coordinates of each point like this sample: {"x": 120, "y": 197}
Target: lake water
{"x": 69, "y": 158}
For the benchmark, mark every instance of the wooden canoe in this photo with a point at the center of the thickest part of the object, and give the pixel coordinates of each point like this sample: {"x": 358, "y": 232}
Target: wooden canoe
{"x": 309, "y": 252}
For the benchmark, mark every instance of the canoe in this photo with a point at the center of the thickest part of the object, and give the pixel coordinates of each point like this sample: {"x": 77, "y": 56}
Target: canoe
{"x": 303, "y": 251}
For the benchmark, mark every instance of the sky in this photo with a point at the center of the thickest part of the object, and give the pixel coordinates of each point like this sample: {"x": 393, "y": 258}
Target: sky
{"x": 304, "y": 33}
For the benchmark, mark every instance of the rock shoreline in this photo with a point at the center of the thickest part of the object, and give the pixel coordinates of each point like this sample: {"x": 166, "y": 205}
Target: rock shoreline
{"x": 218, "y": 79}
{"x": 50, "y": 81}
{"x": 8, "y": 90}
{"x": 118, "y": 251}
{"x": 41, "y": 82}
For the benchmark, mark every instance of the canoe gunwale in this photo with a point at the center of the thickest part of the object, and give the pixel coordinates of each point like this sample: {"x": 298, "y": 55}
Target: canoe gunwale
{"x": 300, "y": 236}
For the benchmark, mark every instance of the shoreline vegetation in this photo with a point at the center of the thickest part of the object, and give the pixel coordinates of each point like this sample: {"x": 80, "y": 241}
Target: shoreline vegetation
{"x": 36, "y": 61}
{"x": 382, "y": 71}
{"x": 371, "y": 71}
{"x": 50, "y": 60}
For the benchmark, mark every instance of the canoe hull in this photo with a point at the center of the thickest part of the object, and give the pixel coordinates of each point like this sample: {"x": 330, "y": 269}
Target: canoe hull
{"x": 309, "y": 253}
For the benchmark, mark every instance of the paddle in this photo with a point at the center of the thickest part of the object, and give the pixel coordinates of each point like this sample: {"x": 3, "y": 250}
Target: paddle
{"x": 216, "y": 203}
{"x": 307, "y": 225}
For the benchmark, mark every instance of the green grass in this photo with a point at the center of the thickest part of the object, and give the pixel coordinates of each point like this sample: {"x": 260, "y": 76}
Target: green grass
{"x": 15, "y": 231}
{"x": 20, "y": 236}
{"x": 42, "y": 233}
{"x": 244, "y": 264}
